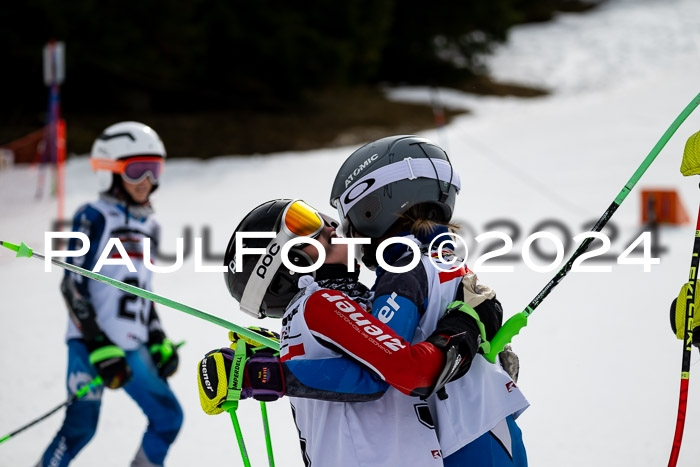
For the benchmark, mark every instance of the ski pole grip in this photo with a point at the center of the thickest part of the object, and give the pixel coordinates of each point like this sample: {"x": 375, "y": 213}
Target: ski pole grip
{"x": 504, "y": 335}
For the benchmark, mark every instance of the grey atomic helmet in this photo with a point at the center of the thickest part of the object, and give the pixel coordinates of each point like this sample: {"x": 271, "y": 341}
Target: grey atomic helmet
{"x": 381, "y": 180}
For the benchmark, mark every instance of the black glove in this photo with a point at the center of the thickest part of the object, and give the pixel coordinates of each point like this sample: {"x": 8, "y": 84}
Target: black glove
{"x": 110, "y": 362}
{"x": 468, "y": 329}
{"x": 108, "y": 359}
{"x": 164, "y": 354}
{"x": 461, "y": 333}
{"x": 457, "y": 335}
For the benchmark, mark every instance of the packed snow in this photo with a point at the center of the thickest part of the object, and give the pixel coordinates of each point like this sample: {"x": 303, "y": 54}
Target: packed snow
{"x": 599, "y": 362}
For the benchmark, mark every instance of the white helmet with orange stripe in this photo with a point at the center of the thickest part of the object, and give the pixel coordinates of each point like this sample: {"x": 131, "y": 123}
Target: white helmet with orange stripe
{"x": 124, "y": 142}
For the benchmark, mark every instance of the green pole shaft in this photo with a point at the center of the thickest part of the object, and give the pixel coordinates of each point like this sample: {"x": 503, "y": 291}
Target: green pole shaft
{"x": 23, "y": 250}
{"x": 239, "y": 437}
{"x": 513, "y": 326}
{"x": 268, "y": 438}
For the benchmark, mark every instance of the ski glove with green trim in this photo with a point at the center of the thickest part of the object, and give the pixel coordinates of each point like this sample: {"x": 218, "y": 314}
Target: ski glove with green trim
{"x": 234, "y": 337}
{"x": 163, "y": 350}
{"x": 109, "y": 361}
{"x": 245, "y": 370}
{"x": 465, "y": 329}
{"x": 164, "y": 354}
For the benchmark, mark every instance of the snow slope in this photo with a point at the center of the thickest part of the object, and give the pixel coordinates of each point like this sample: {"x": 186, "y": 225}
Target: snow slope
{"x": 599, "y": 363}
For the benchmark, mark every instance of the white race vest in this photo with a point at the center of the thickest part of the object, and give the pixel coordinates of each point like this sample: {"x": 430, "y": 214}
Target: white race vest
{"x": 481, "y": 398}
{"x": 122, "y": 316}
{"x": 395, "y": 430}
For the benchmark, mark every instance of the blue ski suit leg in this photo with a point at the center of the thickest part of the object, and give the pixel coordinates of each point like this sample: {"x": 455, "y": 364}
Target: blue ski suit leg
{"x": 149, "y": 391}
{"x": 492, "y": 449}
{"x": 153, "y": 394}
{"x": 81, "y": 417}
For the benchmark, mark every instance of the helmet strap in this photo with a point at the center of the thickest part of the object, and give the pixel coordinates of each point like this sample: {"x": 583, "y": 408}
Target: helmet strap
{"x": 263, "y": 274}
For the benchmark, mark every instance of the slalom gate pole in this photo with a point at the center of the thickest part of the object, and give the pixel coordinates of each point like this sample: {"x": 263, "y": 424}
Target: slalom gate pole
{"x": 23, "y": 250}
{"x": 81, "y": 392}
{"x": 689, "y": 166}
{"x": 516, "y": 322}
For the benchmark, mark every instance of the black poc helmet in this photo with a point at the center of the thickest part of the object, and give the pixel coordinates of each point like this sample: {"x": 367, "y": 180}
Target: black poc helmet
{"x": 383, "y": 179}
{"x": 272, "y": 301}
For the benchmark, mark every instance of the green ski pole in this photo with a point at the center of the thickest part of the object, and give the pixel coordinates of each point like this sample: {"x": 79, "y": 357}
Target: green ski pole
{"x": 516, "y": 322}
{"x": 81, "y": 392}
{"x": 239, "y": 437}
{"x": 268, "y": 439}
{"x": 23, "y": 251}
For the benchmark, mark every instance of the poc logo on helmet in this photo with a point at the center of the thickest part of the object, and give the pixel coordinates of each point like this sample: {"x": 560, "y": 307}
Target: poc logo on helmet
{"x": 267, "y": 260}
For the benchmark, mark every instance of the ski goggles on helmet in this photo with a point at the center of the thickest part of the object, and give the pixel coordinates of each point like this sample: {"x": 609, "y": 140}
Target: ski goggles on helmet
{"x": 132, "y": 169}
{"x": 301, "y": 220}
{"x": 298, "y": 220}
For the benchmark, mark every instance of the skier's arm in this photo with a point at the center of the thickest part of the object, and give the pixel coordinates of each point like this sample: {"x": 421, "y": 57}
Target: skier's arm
{"x": 74, "y": 287}
{"x": 401, "y": 300}
{"x": 343, "y": 325}
{"x": 267, "y": 378}
{"x": 335, "y": 380}
{"x": 108, "y": 359}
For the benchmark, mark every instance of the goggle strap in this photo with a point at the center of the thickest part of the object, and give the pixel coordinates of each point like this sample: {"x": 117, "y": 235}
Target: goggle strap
{"x": 106, "y": 164}
{"x": 406, "y": 169}
{"x": 257, "y": 286}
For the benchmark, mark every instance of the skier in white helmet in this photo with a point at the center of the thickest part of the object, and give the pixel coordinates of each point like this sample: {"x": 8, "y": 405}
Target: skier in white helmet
{"x": 112, "y": 334}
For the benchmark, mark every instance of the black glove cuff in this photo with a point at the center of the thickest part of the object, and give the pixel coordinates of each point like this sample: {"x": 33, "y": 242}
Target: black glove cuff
{"x": 457, "y": 329}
